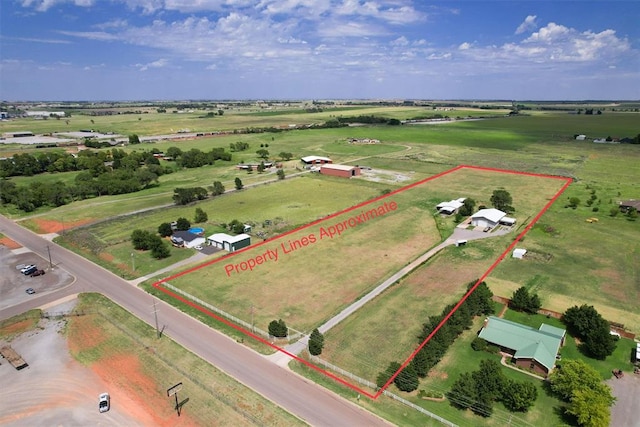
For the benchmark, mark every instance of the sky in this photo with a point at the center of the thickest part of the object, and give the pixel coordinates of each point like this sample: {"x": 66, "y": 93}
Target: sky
{"x": 118, "y": 50}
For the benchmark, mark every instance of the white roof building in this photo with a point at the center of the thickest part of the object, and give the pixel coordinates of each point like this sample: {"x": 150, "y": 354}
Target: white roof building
{"x": 450, "y": 206}
{"x": 487, "y": 217}
{"x": 315, "y": 159}
{"x": 518, "y": 253}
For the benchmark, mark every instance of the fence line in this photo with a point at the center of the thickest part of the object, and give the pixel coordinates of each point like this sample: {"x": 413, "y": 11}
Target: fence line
{"x": 222, "y": 313}
{"x": 317, "y": 360}
{"x": 617, "y": 327}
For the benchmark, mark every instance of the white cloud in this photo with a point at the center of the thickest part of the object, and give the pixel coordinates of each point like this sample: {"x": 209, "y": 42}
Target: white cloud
{"x": 160, "y": 63}
{"x": 464, "y": 46}
{"x": 44, "y": 5}
{"x": 528, "y": 24}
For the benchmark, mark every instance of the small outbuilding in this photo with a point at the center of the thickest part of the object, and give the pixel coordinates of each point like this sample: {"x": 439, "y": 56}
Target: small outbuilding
{"x": 519, "y": 253}
{"x": 627, "y": 205}
{"x": 342, "y": 171}
{"x": 450, "y": 207}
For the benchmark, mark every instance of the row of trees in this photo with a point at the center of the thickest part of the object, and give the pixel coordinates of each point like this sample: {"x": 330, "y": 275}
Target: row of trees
{"x": 478, "y": 391}
{"x": 477, "y": 303}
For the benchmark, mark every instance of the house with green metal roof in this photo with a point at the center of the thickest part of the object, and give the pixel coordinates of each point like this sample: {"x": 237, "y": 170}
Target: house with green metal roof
{"x": 533, "y": 349}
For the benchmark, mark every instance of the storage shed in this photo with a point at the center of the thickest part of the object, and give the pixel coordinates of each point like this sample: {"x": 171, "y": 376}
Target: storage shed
{"x": 343, "y": 171}
{"x": 229, "y": 243}
{"x": 518, "y": 253}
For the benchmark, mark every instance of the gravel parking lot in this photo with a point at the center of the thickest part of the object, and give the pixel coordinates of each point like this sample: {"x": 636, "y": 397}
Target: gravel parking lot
{"x": 55, "y": 390}
{"x": 13, "y": 284}
{"x": 626, "y": 411}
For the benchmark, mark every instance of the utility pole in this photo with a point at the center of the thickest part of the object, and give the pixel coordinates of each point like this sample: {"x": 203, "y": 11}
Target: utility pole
{"x": 133, "y": 261}
{"x": 155, "y": 315}
{"x": 50, "y": 263}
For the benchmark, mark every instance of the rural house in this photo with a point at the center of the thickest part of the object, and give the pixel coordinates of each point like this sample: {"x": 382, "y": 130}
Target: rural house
{"x": 491, "y": 218}
{"x": 186, "y": 239}
{"x": 533, "y": 349}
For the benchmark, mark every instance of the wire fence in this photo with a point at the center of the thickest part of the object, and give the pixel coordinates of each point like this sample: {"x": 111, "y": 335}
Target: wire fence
{"x": 248, "y": 326}
{"x": 367, "y": 383}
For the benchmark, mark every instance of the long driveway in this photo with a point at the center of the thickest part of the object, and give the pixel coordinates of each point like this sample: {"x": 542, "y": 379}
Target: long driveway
{"x": 301, "y": 397}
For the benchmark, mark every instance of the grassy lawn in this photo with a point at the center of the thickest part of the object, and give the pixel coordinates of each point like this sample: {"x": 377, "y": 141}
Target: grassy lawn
{"x": 620, "y": 359}
{"x": 110, "y": 334}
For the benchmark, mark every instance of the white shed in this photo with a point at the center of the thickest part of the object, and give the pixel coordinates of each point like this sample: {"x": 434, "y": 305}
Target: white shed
{"x": 518, "y": 253}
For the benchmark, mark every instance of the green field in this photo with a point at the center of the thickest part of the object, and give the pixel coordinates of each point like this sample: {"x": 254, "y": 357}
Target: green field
{"x": 574, "y": 262}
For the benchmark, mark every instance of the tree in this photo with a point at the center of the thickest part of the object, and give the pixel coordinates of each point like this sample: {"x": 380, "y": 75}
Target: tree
{"x": 463, "y": 393}
{"x": 519, "y": 396}
{"x": 574, "y": 202}
{"x": 261, "y": 167}
{"x": 238, "y": 183}
{"x": 263, "y": 154}
{"x": 587, "y": 324}
{"x": 160, "y": 250}
{"x": 217, "y": 188}
{"x": 183, "y": 224}
{"x": 220, "y": 112}
{"x": 165, "y": 230}
{"x": 407, "y": 380}
{"x": 522, "y": 300}
{"x": 581, "y": 385}
{"x": 141, "y": 239}
{"x": 316, "y": 343}
{"x": 285, "y": 156}
{"x": 280, "y": 174}
{"x": 278, "y": 329}
{"x": 501, "y": 199}
{"x": 590, "y": 408}
{"x": 134, "y": 139}
{"x": 200, "y": 216}
{"x": 467, "y": 207}
{"x": 574, "y": 375}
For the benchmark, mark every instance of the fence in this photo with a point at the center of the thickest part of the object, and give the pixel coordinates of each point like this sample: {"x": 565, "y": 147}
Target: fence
{"x": 373, "y": 386}
{"x": 617, "y": 327}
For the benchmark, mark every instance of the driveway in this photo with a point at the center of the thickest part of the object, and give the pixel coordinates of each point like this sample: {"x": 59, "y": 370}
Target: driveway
{"x": 626, "y": 411}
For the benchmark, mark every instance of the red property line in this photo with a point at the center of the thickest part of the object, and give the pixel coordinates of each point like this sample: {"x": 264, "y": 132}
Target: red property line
{"x": 158, "y": 285}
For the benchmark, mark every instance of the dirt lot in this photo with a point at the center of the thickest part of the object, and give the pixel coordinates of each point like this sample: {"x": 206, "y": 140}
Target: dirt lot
{"x": 13, "y": 283}
{"x": 626, "y": 411}
{"x": 55, "y": 390}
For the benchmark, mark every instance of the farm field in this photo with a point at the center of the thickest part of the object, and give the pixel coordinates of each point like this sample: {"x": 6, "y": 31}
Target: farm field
{"x": 573, "y": 262}
{"x": 282, "y": 286}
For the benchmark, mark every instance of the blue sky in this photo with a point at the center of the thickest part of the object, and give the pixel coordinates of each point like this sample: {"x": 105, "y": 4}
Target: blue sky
{"x": 318, "y": 49}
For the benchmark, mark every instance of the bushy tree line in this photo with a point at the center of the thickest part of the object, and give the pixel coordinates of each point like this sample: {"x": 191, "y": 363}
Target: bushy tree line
{"x": 593, "y": 330}
{"x": 588, "y": 397}
{"x": 478, "y": 302}
{"x": 478, "y": 390}
{"x": 195, "y": 158}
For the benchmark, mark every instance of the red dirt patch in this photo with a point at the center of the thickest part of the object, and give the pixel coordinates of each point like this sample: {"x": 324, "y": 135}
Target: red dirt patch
{"x": 45, "y": 226}
{"x": 9, "y": 243}
{"x": 135, "y": 393}
{"x": 17, "y": 328}
{"x": 106, "y": 256}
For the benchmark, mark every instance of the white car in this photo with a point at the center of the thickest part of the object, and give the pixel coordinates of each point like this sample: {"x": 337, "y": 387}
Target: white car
{"x": 104, "y": 402}
{"x": 198, "y": 248}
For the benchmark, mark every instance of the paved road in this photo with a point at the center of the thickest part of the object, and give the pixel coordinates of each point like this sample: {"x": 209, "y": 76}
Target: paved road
{"x": 301, "y": 397}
